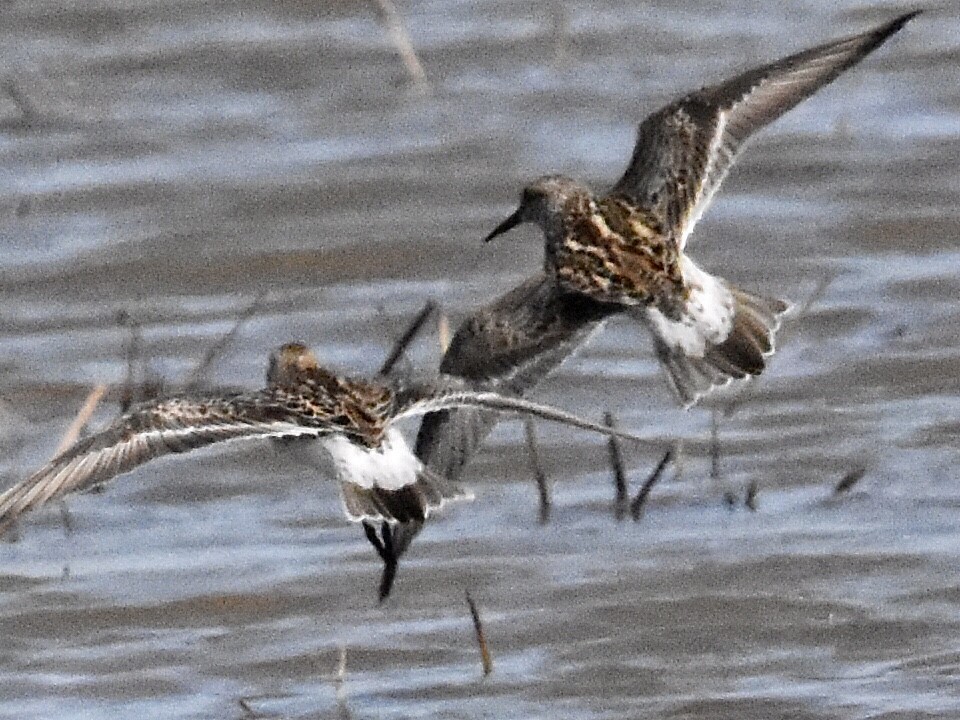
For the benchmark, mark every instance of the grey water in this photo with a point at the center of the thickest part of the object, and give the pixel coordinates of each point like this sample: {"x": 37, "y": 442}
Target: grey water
{"x": 182, "y": 161}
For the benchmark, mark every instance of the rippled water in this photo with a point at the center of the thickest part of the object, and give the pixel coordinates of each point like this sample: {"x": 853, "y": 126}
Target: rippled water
{"x": 178, "y": 159}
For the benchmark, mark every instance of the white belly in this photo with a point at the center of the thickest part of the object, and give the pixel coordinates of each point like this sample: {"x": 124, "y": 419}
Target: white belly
{"x": 390, "y": 466}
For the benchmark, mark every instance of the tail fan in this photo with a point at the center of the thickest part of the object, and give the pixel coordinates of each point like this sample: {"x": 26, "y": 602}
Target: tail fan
{"x": 694, "y": 372}
{"x": 411, "y": 503}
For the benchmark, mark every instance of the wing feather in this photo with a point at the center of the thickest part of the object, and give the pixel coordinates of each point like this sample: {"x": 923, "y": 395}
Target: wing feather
{"x": 685, "y": 150}
{"x": 171, "y": 426}
{"x": 428, "y": 399}
{"x": 509, "y": 345}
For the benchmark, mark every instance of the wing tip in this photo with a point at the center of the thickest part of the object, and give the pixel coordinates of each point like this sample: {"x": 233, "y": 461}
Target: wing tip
{"x": 878, "y": 36}
{"x": 896, "y": 25}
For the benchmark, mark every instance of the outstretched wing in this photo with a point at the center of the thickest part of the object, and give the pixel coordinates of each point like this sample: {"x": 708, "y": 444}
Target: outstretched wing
{"x": 175, "y": 425}
{"x": 684, "y": 150}
{"x": 508, "y": 346}
{"x": 428, "y": 399}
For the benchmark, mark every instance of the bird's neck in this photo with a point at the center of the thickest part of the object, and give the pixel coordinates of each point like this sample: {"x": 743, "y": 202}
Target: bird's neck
{"x": 565, "y": 222}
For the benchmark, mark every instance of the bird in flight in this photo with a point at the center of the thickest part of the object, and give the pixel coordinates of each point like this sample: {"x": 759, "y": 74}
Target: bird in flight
{"x": 623, "y": 252}
{"x": 627, "y": 247}
{"x": 353, "y": 420}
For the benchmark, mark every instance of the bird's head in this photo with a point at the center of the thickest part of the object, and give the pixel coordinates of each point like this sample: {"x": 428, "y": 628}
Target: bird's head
{"x": 544, "y": 202}
{"x": 289, "y": 362}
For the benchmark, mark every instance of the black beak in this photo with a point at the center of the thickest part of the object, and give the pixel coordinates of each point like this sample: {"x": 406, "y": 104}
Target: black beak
{"x": 508, "y": 224}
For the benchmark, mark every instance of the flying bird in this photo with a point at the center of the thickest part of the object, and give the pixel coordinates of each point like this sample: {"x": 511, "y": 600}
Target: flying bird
{"x": 625, "y": 253}
{"x": 353, "y": 420}
{"x": 627, "y": 247}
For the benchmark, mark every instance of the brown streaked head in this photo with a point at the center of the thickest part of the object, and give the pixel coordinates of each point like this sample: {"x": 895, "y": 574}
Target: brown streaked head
{"x": 543, "y": 202}
{"x": 288, "y": 362}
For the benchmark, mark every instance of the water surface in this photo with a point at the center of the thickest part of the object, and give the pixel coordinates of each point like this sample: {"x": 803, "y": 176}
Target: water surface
{"x": 177, "y": 160}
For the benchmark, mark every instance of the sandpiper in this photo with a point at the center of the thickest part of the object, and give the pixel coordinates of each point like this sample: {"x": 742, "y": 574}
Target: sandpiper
{"x": 353, "y": 419}
{"x": 627, "y": 247}
{"x": 516, "y": 340}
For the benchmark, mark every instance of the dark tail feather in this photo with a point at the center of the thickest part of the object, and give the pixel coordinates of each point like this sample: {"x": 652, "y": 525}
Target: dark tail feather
{"x": 411, "y": 503}
{"x": 743, "y": 354}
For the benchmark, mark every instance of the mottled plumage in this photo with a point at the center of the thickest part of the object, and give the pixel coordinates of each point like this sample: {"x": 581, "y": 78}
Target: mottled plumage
{"x": 627, "y": 246}
{"x": 678, "y": 162}
{"x": 352, "y": 419}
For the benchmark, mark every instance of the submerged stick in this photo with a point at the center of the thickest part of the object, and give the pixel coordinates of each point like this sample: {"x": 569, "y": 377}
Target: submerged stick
{"x": 636, "y": 507}
{"x": 29, "y": 114}
{"x": 679, "y": 460}
{"x": 621, "y": 500}
{"x": 248, "y": 710}
{"x": 714, "y": 445}
{"x": 127, "y": 391}
{"x": 341, "y": 693}
{"x": 408, "y": 336}
{"x": 849, "y": 480}
{"x": 533, "y": 452}
{"x": 485, "y": 658}
{"x": 397, "y": 32}
{"x": 750, "y": 501}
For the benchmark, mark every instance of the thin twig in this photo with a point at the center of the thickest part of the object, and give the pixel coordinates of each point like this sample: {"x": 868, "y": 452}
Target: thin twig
{"x": 248, "y": 710}
{"x": 714, "y": 445}
{"x": 82, "y": 417}
{"x": 397, "y": 31}
{"x": 636, "y": 507}
{"x": 29, "y": 114}
{"x": 127, "y": 397}
{"x": 679, "y": 460}
{"x": 621, "y": 501}
{"x": 485, "y": 657}
{"x": 66, "y": 519}
{"x": 814, "y": 297}
{"x": 201, "y": 371}
{"x": 408, "y": 336}
{"x": 533, "y": 452}
{"x": 750, "y": 501}
{"x": 443, "y": 331}
{"x": 71, "y": 436}
{"x": 340, "y": 691}
{"x": 849, "y": 480}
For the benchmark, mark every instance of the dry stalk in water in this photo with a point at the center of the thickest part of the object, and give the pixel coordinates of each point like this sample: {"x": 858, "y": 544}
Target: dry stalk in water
{"x": 82, "y": 417}
{"x": 485, "y": 658}
{"x": 397, "y": 32}
{"x": 636, "y": 507}
{"x": 408, "y": 336}
{"x": 533, "y": 452}
{"x": 621, "y": 501}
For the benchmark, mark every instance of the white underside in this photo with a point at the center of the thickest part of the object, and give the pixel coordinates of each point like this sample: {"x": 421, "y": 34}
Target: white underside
{"x": 390, "y": 466}
{"x": 707, "y": 317}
